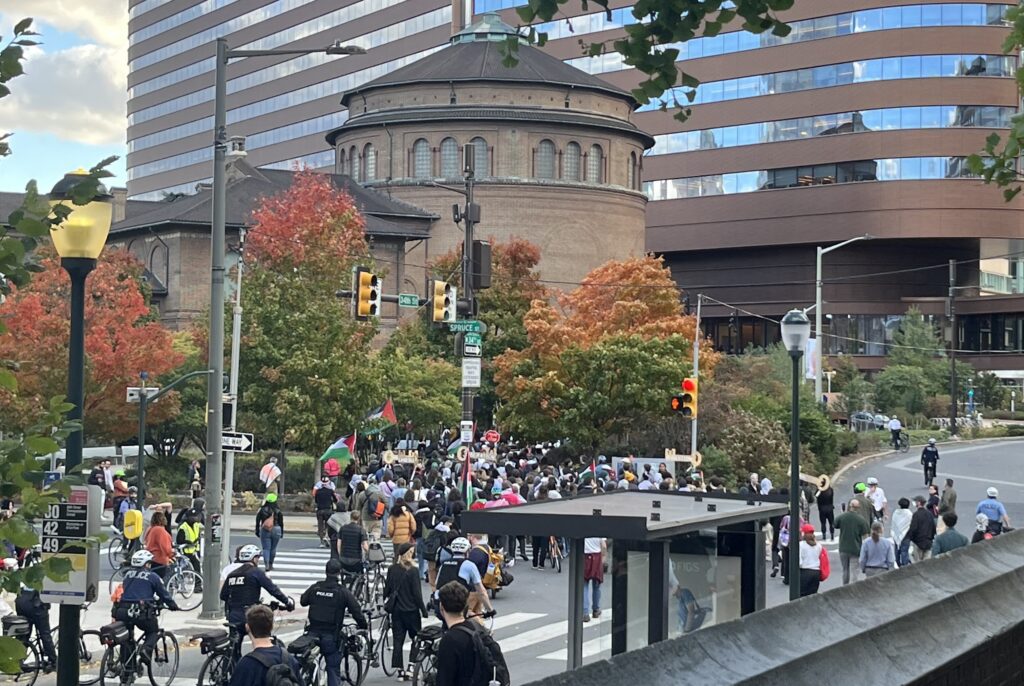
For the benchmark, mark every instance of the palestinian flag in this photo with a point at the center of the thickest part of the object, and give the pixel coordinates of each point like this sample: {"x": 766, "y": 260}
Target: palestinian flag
{"x": 454, "y": 446}
{"x": 589, "y": 473}
{"x": 385, "y": 412}
{"x": 343, "y": 450}
{"x": 468, "y": 492}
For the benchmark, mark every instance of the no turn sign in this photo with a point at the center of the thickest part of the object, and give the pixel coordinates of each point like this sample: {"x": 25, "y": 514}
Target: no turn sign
{"x": 492, "y": 436}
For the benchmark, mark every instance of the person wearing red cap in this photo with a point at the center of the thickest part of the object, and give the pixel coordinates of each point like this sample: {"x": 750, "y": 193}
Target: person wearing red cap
{"x": 810, "y": 561}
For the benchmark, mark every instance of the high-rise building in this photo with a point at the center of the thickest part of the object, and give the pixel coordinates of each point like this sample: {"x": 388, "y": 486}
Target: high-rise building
{"x": 284, "y": 105}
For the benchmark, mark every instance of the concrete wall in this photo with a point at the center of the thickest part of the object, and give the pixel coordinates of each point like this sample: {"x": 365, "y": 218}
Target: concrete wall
{"x": 953, "y": 621}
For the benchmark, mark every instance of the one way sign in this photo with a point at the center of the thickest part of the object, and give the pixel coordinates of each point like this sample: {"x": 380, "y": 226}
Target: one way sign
{"x": 240, "y": 443}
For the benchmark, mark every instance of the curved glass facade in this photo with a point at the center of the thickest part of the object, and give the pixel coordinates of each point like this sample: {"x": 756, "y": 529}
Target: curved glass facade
{"x": 845, "y": 73}
{"x": 889, "y": 169}
{"x": 845, "y": 24}
{"x": 887, "y": 119}
{"x": 182, "y": 17}
{"x": 317, "y": 160}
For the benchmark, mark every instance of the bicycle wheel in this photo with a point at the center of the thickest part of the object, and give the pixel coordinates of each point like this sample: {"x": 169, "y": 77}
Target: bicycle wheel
{"x": 424, "y": 672}
{"x": 216, "y": 670}
{"x": 904, "y": 444}
{"x": 352, "y": 672}
{"x": 186, "y": 589}
{"x": 90, "y": 653}
{"x": 115, "y": 553}
{"x": 110, "y": 666}
{"x": 384, "y": 648}
{"x": 162, "y": 665}
{"x": 319, "y": 676}
{"x": 115, "y": 579}
{"x": 30, "y": 665}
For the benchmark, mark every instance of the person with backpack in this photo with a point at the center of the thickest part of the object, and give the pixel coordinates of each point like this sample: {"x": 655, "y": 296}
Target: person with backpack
{"x": 460, "y": 568}
{"x": 467, "y": 654}
{"x": 437, "y": 539}
{"x": 270, "y": 528}
{"x": 242, "y": 588}
{"x": 328, "y": 601}
{"x": 426, "y": 520}
{"x": 324, "y": 497}
{"x": 268, "y": 664}
{"x": 372, "y": 508}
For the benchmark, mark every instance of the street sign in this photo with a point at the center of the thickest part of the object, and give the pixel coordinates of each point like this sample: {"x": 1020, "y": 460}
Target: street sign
{"x": 465, "y": 434}
{"x": 238, "y": 442}
{"x": 64, "y": 525}
{"x": 492, "y": 436}
{"x": 473, "y": 339}
{"x": 471, "y": 372}
{"x": 408, "y": 300}
{"x": 466, "y": 326}
{"x": 471, "y": 350}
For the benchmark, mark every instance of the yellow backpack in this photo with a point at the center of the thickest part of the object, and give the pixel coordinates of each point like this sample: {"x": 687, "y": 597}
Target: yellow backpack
{"x": 132, "y": 524}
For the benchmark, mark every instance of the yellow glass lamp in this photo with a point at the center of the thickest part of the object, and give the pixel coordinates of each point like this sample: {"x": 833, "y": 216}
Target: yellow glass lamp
{"x": 84, "y": 233}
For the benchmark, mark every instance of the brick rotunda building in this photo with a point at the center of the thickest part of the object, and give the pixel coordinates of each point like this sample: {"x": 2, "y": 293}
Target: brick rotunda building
{"x": 558, "y": 157}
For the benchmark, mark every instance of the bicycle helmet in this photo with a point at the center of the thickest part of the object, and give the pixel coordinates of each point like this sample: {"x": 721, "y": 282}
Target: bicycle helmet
{"x": 141, "y": 558}
{"x": 931, "y": 441}
{"x": 460, "y": 546}
{"x": 248, "y": 553}
{"x": 119, "y": 472}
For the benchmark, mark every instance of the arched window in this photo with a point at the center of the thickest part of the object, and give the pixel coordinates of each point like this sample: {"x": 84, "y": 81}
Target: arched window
{"x": 353, "y": 163}
{"x": 369, "y": 162}
{"x": 631, "y": 171}
{"x": 158, "y": 263}
{"x": 450, "y": 158}
{"x": 342, "y": 159}
{"x": 595, "y": 164}
{"x": 481, "y": 158}
{"x": 421, "y": 159}
{"x": 546, "y": 160}
{"x": 571, "y": 162}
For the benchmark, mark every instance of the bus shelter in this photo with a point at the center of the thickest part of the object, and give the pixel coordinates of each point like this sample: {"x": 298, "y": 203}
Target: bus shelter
{"x": 679, "y": 561}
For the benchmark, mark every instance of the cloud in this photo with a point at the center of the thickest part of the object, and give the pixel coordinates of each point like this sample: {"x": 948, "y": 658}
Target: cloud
{"x": 77, "y": 94}
{"x": 99, "y": 21}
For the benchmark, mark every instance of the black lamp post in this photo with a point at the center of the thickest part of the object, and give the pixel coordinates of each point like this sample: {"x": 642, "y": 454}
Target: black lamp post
{"x": 796, "y": 330}
{"x": 79, "y": 241}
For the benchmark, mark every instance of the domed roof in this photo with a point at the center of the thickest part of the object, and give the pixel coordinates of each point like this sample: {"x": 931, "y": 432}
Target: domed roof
{"x": 476, "y": 54}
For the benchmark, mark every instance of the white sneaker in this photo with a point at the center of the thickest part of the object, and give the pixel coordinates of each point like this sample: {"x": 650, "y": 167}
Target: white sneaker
{"x": 512, "y": 563}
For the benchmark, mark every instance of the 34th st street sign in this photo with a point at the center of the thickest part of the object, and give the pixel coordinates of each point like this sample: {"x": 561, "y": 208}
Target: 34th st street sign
{"x": 238, "y": 442}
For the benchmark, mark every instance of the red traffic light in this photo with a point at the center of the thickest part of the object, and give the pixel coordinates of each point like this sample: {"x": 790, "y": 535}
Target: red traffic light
{"x": 689, "y": 385}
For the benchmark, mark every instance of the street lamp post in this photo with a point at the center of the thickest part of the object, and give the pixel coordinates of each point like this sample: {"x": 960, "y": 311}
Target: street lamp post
{"x": 79, "y": 242}
{"x": 214, "y": 396}
{"x": 796, "y": 330}
{"x": 821, "y": 252}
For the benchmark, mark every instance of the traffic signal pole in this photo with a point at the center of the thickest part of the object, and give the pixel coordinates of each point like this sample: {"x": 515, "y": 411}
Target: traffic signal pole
{"x": 696, "y": 373}
{"x": 470, "y": 217}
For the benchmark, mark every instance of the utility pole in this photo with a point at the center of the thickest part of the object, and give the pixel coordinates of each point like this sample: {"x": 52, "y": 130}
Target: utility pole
{"x": 696, "y": 373}
{"x": 214, "y": 390}
{"x": 229, "y": 456}
{"x": 471, "y": 216}
{"x": 951, "y": 313}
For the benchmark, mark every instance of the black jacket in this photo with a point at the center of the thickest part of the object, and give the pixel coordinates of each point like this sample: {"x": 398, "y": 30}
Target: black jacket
{"x": 404, "y": 584}
{"x": 922, "y": 529}
{"x": 268, "y": 511}
{"x": 328, "y": 601}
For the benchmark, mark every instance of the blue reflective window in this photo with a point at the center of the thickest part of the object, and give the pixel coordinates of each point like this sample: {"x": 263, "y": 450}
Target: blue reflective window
{"x": 867, "y": 20}
{"x": 910, "y": 16}
{"x": 910, "y": 67}
{"x": 890, "y": 68}
{"x": 951, "y": 14}
{"x": 931, "y": 15}
{"x": 973, "y": 15}
{"x": 891, "y": 18}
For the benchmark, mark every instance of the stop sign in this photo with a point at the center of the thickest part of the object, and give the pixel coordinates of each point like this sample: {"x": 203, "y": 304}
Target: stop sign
{"x": 492, "y": 436}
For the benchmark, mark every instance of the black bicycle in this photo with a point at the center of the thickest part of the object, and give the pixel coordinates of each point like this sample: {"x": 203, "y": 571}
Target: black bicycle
{"x": 427, "y": 641}
{"x": 125, "y": 658}
{"x": 378, "y": 651}
{"x": 90, "y": 650}
{"x": 220, "y": 647}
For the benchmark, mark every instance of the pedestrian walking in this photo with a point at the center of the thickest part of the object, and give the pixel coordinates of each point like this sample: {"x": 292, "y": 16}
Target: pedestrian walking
{"x": 827, "y": 512}
{"x": 403, "y": 600}
{"x": 785, "y": 540}
{"x": 401, "y": 524}
{"x": 877, "y": 554}
{"x": 950, "y": 539}
{"x": 866, "y": 508}
{"x": 852, "y": 530}
{"x": 921, "y": 532}
{"x": 811, "y": 564}
{"x": 324, "y": 497}
{"x": 900, "y": 525}
{"x": 947, "y": 503}
{"x": 876, "y": 496}
{"x": 594, "y": 550}
{"x": 270, "y": 476}
{"x": 270, "y": 529}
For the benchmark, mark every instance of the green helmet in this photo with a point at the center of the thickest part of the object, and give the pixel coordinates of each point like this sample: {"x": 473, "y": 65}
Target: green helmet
{"x": 859, "y": 487}
{"x": 119, "y": 472}
{"x": 271, "y": 497}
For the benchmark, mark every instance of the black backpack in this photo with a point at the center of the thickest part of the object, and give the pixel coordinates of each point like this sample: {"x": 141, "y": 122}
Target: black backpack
{"x": 278, "y": 673}
{"x": 433, "y": 544}
{"x": 489, "y": 661}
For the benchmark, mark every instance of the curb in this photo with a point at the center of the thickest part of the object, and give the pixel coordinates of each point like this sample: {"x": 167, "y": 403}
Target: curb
{"x": 873, "y": 456}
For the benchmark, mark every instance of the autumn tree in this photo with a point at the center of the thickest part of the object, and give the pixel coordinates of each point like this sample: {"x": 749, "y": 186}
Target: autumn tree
{"x": 122, "y": 338}
{"x": 306, "y": 374}
{"x": 603, "y": 360}
{"x": 425, "y": 391}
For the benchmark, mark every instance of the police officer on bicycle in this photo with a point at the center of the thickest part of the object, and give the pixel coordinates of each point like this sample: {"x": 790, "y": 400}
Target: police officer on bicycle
{"x": 929, "y": 460}
{"x": 141, "y": 586}
{"x": 242, "y": 589}
{"x": 328, "y": 601}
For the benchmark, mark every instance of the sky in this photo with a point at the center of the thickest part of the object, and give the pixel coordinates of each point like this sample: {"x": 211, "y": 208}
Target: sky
{"x": 68, "y": 109}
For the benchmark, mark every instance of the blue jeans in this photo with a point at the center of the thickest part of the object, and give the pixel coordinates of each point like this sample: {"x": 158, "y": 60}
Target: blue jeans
{"x": 332, "y": 655}
{"x": 269, "y": 541}
{"x": 591, "y": 588}
{"x": 421, "y": 555}
{"x": 903, "y": 554}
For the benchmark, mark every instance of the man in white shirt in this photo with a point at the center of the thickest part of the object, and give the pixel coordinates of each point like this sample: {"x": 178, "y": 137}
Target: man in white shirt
{"x": 877, "y": 497}
{"x": 895, "y": 427}
{"x": 594, "y": 550}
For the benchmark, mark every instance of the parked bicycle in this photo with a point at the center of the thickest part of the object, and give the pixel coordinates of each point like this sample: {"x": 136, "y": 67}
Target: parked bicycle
{"x": 904, "y": 445}
{"x": 125, "y": 657}
{"x": 121, "y": 550}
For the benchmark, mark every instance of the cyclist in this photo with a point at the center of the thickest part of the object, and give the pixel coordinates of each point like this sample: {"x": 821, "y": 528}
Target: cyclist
{"x": 353, "y": 543}
{"x": 994, "y": 510}
{"x": 189, "y": 532}
{"x": 895, "y": 427}
{"x": 328, "y": 601}
{"x": 136, "y": 606}
{"x": 459, "y": 658}
{"x": 242, "y": 588}
{"x": 120, "y": 493}
{"x": 31, "y": 607}
{"x": 458, "y": 567}
{"x": 929, "y": 460}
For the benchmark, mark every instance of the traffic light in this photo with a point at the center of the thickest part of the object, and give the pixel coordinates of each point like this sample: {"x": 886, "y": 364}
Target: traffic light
{"x": 443, "y": 303}
{"x": 368, "y": 291}
{"x": 687, "y": 401}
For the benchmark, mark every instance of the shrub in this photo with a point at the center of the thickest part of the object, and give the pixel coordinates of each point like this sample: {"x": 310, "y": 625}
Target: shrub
{"x": 846, "y": 442}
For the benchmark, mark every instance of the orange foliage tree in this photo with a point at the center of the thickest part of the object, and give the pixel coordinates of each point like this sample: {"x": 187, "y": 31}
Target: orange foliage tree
{"x": 122, "y": 338}
{"x": 603, "y": 360}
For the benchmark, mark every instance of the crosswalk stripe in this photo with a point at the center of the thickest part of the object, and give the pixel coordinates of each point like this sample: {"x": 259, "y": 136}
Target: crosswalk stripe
{"x": 544, "y": 633}
{"x": 595, "y": 646}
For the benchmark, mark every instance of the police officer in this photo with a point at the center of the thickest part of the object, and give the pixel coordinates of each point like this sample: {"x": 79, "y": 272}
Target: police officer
{"x": 189, "y": 532}
{"x": 929, "y": 460}
{"x": 31, "y": 607}
{"x": 327, "y": 601}
{"x": 242, "y": 589}
{"x": 141, "y": 587}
